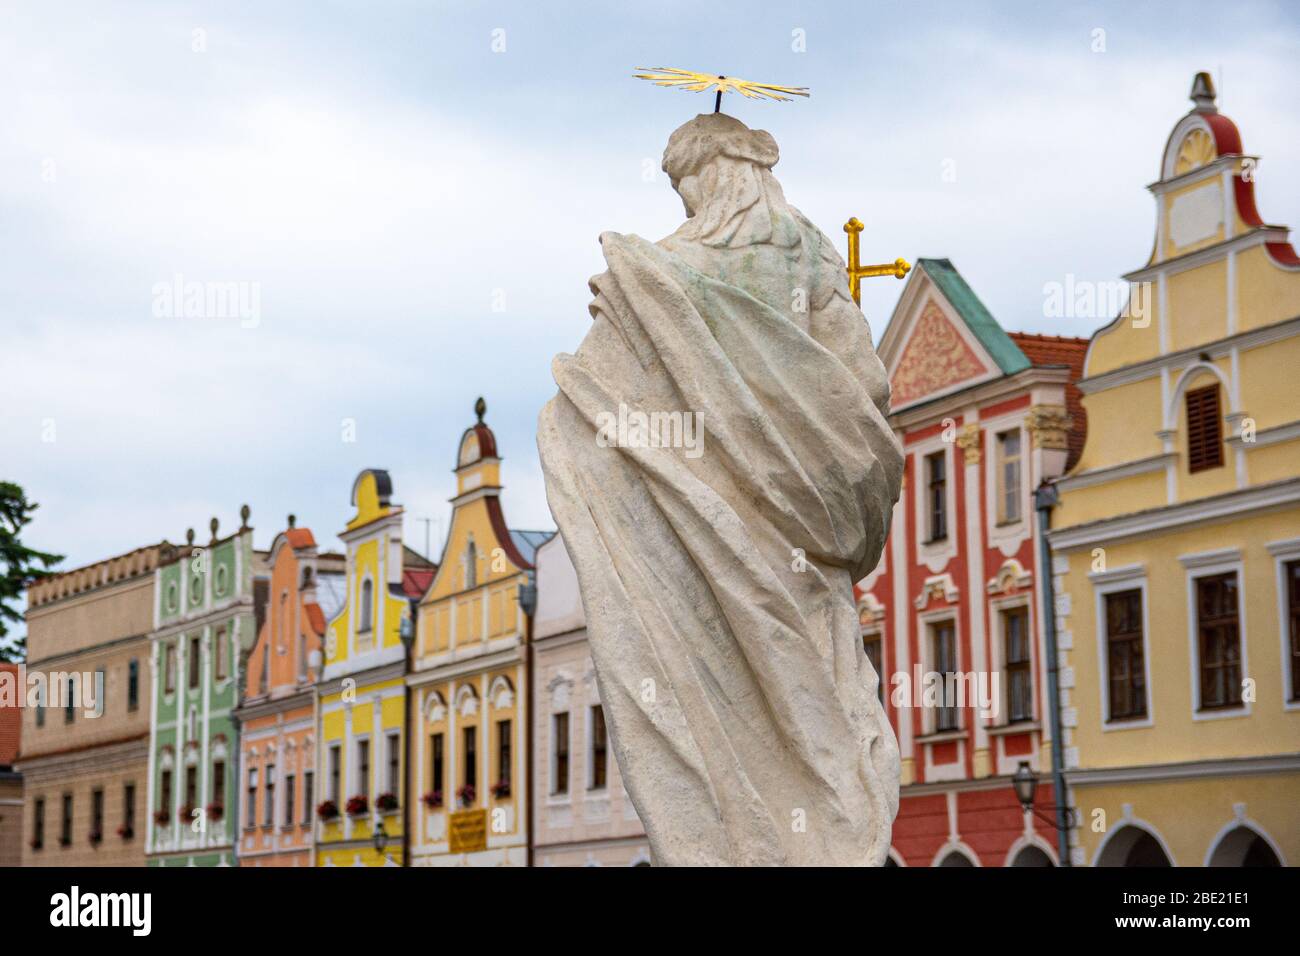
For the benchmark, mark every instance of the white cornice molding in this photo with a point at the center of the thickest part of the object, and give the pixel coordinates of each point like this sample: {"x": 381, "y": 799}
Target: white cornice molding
{"x": 375, "y": 527}
{"x": 1099, "y": 476}
{"x": 1127, "y": 374}
{"x": 1268, "y": 436}
{"x": 1257, "y": 236}
{"x": 1211, "y": 170}
{"x": 1128, "y": 572}
{"x": 1228, "y": 767}
{"x": 1284, "y": 549}
{"x": 982, "y": 393}
{"x": 1209, "y": 559}
{"x": 1156, "y": 520}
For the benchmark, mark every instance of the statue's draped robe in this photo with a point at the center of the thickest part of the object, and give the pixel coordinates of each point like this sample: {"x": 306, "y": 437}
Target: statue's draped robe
{"x": 718, "y": 589}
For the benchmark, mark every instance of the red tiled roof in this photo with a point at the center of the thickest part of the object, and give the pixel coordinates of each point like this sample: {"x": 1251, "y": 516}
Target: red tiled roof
{"x": 1061, "y": 350}
{"x": 415, "y": 581}
{"x": 316, "y": 618}
{"x": 11, "y": 720}
{"x": 300, "y": 538}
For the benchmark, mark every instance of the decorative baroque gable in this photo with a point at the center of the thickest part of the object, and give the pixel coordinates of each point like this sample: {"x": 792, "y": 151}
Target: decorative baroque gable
{"x": 935, "y": 358}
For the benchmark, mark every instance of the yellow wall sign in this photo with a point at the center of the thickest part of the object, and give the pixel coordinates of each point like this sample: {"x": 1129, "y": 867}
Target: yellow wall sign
{"x": 468, "y": 831}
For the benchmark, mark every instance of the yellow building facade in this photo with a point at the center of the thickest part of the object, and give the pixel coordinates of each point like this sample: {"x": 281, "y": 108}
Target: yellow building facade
{"x": 1176, "y": 539}
{"x": 469, "y": 677}
{"x": 361, "y": 770}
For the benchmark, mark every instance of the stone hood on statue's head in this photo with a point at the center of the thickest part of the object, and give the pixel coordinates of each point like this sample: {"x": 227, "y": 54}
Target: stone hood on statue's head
{"x": 722, "y": 169}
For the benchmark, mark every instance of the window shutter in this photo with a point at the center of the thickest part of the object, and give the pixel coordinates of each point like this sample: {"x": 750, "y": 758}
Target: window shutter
{"x": 1204, "y": 429}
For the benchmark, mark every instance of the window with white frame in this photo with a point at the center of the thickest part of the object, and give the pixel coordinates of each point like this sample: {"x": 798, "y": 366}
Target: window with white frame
{"x": 335, "y": 762}
{"x": 597, "y": 760}
{"x": 560, "y": 753}
{"x": 1286, "y": 560}
{"x": 1009, "y": 483}
{"x": 1291, "y": 621}
{"x": 942, "y": 637}
{"x": 1218, "y": 640}
{"x": 936, "y": 497}
{"x": 1017, "y": 663}
{"x": 362, "y": 787}
{"x": 1125, "y": 655}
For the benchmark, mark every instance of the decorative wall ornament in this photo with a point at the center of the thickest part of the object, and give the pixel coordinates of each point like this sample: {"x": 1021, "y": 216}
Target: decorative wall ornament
{"x": 1196, "y": 150}
{"x": 466, "y": 701}
{"x": 560, "y": 688}
{"x": 936, "y": 357}
{"x": 436, "y": 708}
{"x": 870, "y": 610}
{"x": 1010, "y": 576}
{"x": 937, "y": 586}
{"x": 968, "y": 440}
{"x": 1049, "y": 426}
{"x": 502, "y": 693}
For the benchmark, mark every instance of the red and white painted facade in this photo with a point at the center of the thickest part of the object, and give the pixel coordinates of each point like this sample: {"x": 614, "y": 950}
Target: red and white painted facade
{"x": 975, "y": 399}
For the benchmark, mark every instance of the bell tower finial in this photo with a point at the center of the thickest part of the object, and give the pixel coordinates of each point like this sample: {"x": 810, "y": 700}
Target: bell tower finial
{"x": 1203, "y": 93}
{"x": 480, "y": 409}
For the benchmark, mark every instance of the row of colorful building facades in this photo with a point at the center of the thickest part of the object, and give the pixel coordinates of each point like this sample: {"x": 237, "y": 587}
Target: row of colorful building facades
{"x": 367, "y": 706}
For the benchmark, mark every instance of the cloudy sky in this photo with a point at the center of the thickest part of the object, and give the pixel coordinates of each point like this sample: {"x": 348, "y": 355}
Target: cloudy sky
{"x": 414, "y": 191}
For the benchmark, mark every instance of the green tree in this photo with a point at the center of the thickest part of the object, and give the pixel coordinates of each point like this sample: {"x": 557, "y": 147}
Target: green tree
{"x": 18, "y": 564}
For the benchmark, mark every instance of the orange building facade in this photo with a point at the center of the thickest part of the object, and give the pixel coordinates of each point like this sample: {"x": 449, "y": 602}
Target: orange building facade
{"x": 278, "y": 709}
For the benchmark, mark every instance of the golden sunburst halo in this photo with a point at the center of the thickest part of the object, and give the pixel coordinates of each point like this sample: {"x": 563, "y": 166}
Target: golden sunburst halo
{"x": 694, "y": 82}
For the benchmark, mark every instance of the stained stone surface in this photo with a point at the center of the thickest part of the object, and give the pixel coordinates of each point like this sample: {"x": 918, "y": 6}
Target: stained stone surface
{"x": 717, "y": 574}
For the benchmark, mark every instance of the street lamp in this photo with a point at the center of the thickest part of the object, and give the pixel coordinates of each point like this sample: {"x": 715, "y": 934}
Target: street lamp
{"x": 1026, "y": 785}
{"x": 380, "y": 838}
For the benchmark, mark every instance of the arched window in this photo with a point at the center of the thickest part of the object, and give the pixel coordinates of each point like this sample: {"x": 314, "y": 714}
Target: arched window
{"x": 367, "y": 607}
{"x": 282, "y": 642}
{"x": 1133, "y": 846}
{"x": 1243, "y": 847}
{"x": 471, "y": 566}
{"x": 1032, "y": 856}
{"x": 1204, "y": 428}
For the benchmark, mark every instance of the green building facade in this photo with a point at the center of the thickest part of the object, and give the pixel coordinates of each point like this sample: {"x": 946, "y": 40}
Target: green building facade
{"x": 209, "y": 604}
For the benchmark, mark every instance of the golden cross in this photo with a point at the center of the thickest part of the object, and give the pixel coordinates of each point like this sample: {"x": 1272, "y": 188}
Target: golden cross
{"x": 898, "y": 268}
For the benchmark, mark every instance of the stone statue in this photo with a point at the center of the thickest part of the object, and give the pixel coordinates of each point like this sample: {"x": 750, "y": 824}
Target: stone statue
{"x": 720, "y": 466}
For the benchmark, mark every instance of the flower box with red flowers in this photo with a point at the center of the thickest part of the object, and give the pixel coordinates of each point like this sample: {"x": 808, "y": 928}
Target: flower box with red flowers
{"x": 328, "y": 810}
{"x": 357, "y": 806}
{"x": 186, "y": 812}
{"x": 35, "y": 844}
{"x": 215, "y": 811}
{"x": 501, "y": 789}
{"x": 466, "y": 794}
{"x": 125, "y": 832}
{"x": 161, "y": 817}
{"x": 386, "y": 802}
{"x": 432, "y": 799}
{"x": 96, "y": 837}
